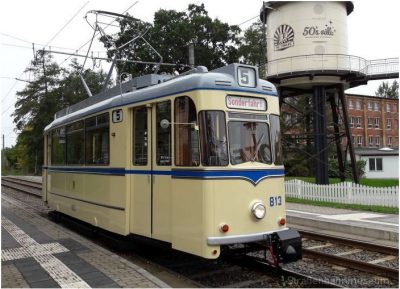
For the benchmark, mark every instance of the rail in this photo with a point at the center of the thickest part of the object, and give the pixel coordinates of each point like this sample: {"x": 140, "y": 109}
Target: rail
{"x": 332, "y": 63}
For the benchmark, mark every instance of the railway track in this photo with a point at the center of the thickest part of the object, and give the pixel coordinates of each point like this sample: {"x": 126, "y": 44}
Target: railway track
{"x": 24, "y": 186}
{"x": 313, "y": 249}
{"x": 354, "y": 247}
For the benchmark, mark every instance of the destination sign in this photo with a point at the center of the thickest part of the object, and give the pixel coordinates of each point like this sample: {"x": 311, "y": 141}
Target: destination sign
{"x": 247, "y": 103}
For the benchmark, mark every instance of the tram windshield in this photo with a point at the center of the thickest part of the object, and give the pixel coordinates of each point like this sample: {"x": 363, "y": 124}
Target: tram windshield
{"x": 249, "y": 142}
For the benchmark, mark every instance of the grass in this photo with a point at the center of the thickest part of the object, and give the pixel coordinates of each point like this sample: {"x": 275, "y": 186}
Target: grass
{"x": 377, "y": 209}
{"x": 366, "y": 182}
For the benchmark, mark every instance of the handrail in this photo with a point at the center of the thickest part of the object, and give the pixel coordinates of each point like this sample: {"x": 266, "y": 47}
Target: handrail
{"x": 331, "y": 62}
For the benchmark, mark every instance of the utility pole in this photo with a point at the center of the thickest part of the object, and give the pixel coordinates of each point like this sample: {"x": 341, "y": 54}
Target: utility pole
{"x": 191, "y": 55}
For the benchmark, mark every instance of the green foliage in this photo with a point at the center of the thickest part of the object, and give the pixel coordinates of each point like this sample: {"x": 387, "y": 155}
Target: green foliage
{"x": 253, "y": 47}
{"x": 366, "y": 182}
{"x": 52, "y": 89}
{"x": 215, "y": 42}
{"x": 378, "y": 209}
{"x": 384, "y": 90}
{"x": 333, "y": 169}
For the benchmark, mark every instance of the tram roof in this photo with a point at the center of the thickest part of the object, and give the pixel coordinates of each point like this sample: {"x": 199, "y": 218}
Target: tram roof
{"x": 223, "y": 78}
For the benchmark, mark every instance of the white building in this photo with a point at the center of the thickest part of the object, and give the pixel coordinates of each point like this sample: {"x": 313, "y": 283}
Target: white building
{"x": 380, "y": 163}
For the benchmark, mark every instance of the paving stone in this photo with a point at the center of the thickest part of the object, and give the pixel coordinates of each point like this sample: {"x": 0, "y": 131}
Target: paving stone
{"x": 96, "y": 266}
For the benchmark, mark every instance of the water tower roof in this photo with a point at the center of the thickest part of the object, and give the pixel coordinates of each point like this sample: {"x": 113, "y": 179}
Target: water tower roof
{"x": 272, "y": 5}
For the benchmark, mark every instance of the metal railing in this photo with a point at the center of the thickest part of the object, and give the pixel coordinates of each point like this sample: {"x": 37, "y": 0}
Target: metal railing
{"x": 332, "y": 63}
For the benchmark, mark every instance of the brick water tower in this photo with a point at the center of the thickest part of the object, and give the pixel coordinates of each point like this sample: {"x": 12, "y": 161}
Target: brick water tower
{"x": 307, "y": 55}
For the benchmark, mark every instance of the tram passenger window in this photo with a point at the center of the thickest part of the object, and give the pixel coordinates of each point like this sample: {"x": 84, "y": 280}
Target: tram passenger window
{"x": 97, "y": 131}
{"x": 186, "y": 137}
{"x": 213, "y": 138}
{"x": 276, "y": 138}
{"x": 140, "y": 136}
{"x": 249, "y": 142}
{"x": 163, "y": 149}
{"x": 58, "y": 146}
{"x": 75, "y": 144}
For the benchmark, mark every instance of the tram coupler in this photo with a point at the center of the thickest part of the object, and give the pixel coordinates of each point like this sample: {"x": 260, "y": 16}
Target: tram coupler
{"x": 287, "y": 246}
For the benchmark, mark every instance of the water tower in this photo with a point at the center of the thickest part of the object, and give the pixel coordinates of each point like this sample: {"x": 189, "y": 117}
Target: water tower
{"x": 307, "y": 55}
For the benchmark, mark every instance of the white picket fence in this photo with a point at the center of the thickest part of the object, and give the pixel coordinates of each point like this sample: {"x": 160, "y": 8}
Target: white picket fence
{"x": 347, "y": 193}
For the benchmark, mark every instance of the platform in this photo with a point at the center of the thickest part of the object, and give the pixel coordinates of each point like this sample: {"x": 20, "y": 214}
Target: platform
{"x": 369, "y": 226}
{"x": 38, "y": 253}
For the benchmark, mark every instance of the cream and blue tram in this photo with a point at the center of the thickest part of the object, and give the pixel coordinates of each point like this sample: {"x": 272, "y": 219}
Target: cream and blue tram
{"x": 193, "y": 160}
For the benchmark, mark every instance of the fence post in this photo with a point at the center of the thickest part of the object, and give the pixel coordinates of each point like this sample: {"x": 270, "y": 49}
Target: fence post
{"x": 298, "y": 185}
{"x": 349, "y": 192}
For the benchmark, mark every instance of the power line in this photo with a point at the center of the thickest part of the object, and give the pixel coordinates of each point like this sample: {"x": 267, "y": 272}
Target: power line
{"x": 58, "y": 32}
{"x": 66, "y": 24}
{"x": 43, "y": 46}
{"x": 97, "y": 33}
{"x": 248, "y": 20}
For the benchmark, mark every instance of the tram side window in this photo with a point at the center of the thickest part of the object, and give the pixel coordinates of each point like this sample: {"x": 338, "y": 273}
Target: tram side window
{"x": 58, "y": 146}
{"x": 75, "y": 143}
{"x": 186, "y": 136}
{"x": 214, "y": 151}
{"x": 140, "y": 136}
{"x": 97, "y": 130}
{"x": 163, "y": 139}
{"x": 276, "y": 138}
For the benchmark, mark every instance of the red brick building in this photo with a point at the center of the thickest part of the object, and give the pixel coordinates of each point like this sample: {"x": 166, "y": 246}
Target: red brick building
{"x": 374, "y": 121}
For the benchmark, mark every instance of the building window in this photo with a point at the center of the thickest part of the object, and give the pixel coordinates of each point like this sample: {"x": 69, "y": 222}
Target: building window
{"x": 378, "y": 141}
{"x": 389, "y": 141}
{"x": 377, "y": 122}
{"x": 376, "y": 106}
{"x": 375, "y": 164}
{"x": 370, "y": 122}
{"x": 351, "y": 121}
{"x": 369, "y": 105}
{"x": 358, "y": 104}
{"x": 388, "y": 107}
{"x": 358, "y": 121}
{"x": 370, "y": 141}
{"x": 359, "y": 140}
{"x": 388, "y": 123}
{"x": 351, "y": 105}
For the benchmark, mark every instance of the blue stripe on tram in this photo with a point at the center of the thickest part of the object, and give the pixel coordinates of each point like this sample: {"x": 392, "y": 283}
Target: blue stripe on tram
{"x": 253, "y": 176}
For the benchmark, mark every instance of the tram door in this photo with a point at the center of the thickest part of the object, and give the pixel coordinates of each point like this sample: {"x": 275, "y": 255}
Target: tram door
{"x": 141, "y": 176}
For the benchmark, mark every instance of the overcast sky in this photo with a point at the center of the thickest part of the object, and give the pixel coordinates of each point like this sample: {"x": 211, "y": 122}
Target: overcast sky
{"x": 373, "y": 33}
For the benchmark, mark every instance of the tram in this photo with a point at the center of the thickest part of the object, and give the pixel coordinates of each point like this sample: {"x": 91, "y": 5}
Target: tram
{"x": 192, "y": 160}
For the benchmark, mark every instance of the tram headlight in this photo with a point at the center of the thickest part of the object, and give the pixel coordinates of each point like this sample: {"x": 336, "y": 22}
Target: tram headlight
{"x": 258, "y": 210}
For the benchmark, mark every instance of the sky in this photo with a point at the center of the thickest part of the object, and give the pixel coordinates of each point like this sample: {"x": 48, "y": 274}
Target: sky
{"x": 372, "y": 30}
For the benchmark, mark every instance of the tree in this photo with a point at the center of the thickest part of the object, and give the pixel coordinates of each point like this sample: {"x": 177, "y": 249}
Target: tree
{"x": 52, "y": 89}
{"x": 215, "y": 42}
{"x": 253, "y": 47}
{"x": 384, "y": 90}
